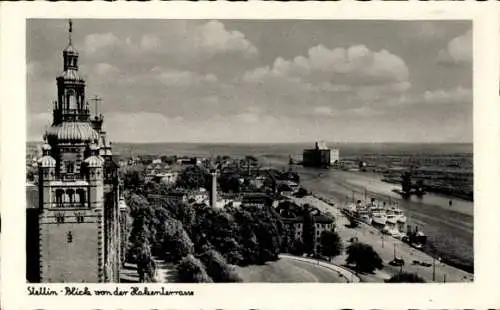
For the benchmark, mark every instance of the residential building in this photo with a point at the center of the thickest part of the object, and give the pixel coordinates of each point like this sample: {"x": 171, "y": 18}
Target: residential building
{"x": 256, "y": 199}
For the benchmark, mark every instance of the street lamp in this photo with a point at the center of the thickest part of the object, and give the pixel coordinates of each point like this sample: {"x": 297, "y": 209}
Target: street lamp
{"x": 434, "y": 267}
{"x": 382, "y": 237}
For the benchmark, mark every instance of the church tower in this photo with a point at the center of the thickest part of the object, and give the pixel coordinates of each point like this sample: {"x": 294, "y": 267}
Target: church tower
{"x": 78, "y": 213}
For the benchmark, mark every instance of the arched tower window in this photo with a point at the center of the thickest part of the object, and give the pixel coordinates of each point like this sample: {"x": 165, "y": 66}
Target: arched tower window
{"x": 70, "y": 167}
{"x": 81, "y": 195}
{"x": 72, "y": 99}
{"x": 59, "y": 197}
{"x": 71, "y": 195}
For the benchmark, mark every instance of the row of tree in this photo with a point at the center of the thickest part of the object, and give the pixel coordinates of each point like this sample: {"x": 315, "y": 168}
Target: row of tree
{"x": 183, "y": 234}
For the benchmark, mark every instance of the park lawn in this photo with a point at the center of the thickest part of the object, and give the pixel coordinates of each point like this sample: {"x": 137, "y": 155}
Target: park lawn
{"x": 288, "y": 271}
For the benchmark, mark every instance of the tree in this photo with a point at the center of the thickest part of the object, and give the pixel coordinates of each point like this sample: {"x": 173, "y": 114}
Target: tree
{"x": 308, "y": 230}
{"x": 230, "y": 183}
{"x": 245, "y": 235}
{"x": 218, "y": 228}
{"x": 405, "y": 277}
{"x": 287, "y": 239}
{"x": 331, "y": 244}
{"x": 364, "y": 257}
{"x": 193, "y": 177}
{"x": 138, "y": 238}
{"x": 133, "y": 178}
{"x": 30, "y": 174}
{"x": 139, "y": 207}
{"x": 297, "y": 248}
{"x": 233, "y": 251}
{"x": 191, "y": 270}
{"x": 146, "y": 266}
{"x": 176, "y": 242}
{"x": 217, "y": 267}
{"x": 301, "y": 192}
{"x": 258, "y": 233}
{"x": 139, "y": 251}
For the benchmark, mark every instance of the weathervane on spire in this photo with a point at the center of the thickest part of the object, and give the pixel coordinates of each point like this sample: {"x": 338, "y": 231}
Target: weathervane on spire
{"x": 70, "y": 29}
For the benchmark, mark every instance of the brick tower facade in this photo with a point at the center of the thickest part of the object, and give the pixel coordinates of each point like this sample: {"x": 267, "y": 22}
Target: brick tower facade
{"x": 79, "y": 214}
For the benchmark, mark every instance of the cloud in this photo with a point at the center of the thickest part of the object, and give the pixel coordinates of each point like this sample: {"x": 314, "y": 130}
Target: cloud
{"x": 203, "y": 81}
{"x": 97, "y": 41}
{"x": 323, "y": 111}
{"x": 189, "y": 40}
{"x": 248, "y": 117}
{"x": 363, "y": 111}
{"x": 149, "y": 42}
{"x": 248, "y": 126}
{"x": 329, "y": 81}
{"x": 214, "y": 38}
{"x": 356, "y": 65}
{"x": 183, "y": 78}
{"x": 458, "y": 50}
{"x": 355, "y": 112}
{"x": 32, "y": 68}
{"x": 103, "y": 68}
{"x": 36, "y": 124}
{"x": 443, "y": 96}
{"x": 428, "y": 30}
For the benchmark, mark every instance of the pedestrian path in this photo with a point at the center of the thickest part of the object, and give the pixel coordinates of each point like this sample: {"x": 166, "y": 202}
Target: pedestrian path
{"x": 165, "y": 272}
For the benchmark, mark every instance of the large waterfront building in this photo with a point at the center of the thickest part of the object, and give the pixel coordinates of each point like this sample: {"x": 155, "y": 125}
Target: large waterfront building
{"x": 320, "y": 156}
{"x": 334, "y": 157}
{"x": 75, "y": 231}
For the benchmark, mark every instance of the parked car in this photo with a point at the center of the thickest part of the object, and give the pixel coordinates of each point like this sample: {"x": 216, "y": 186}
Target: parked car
{"x": 397, "y": 262}
{"x": 354, "y": 239}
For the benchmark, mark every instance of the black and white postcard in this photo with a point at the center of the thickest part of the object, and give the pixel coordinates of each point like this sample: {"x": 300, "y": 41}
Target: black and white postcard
{"x": 326, "y": 154}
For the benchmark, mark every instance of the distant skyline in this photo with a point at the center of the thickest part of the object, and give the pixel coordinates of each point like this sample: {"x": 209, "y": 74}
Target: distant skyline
{"x": 244, "y": 81}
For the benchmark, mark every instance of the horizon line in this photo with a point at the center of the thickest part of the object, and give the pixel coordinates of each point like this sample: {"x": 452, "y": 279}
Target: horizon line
{"x": 281, "y": 142}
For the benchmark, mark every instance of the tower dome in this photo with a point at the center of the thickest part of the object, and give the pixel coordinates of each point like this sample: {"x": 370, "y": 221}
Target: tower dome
{"x": 46, "y": 147}
{"x": 94, "y": 160}
{"x": 73, "y": 131}
{"x": 46, "y": 161}
{"x": 70, "y": 49}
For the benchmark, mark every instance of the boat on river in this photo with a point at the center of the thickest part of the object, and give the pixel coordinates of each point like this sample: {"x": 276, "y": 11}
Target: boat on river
{"x": 379, "y": 218}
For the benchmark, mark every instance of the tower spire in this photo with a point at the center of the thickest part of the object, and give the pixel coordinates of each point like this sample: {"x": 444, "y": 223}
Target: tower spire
{"x": 70, "y": 31}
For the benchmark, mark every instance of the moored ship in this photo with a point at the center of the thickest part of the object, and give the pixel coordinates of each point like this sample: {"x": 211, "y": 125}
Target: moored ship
{"x": 389, "y": 220}
{"x": 379, "y": 218}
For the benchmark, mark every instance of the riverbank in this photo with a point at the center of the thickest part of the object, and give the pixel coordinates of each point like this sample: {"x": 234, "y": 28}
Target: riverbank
{"x": 449, "y": 228}
{"x": 435, "y": 189}
{"x": 388, "y": 247}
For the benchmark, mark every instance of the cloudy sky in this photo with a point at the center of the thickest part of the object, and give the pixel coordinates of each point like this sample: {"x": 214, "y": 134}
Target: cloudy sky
{"x": 263, "y": 81}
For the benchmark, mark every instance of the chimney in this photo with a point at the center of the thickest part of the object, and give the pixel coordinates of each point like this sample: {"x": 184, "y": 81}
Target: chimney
{"x": 213, "y": 191}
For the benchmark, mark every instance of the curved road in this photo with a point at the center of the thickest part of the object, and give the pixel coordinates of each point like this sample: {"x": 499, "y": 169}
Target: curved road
{"x": 288, "y": 270}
